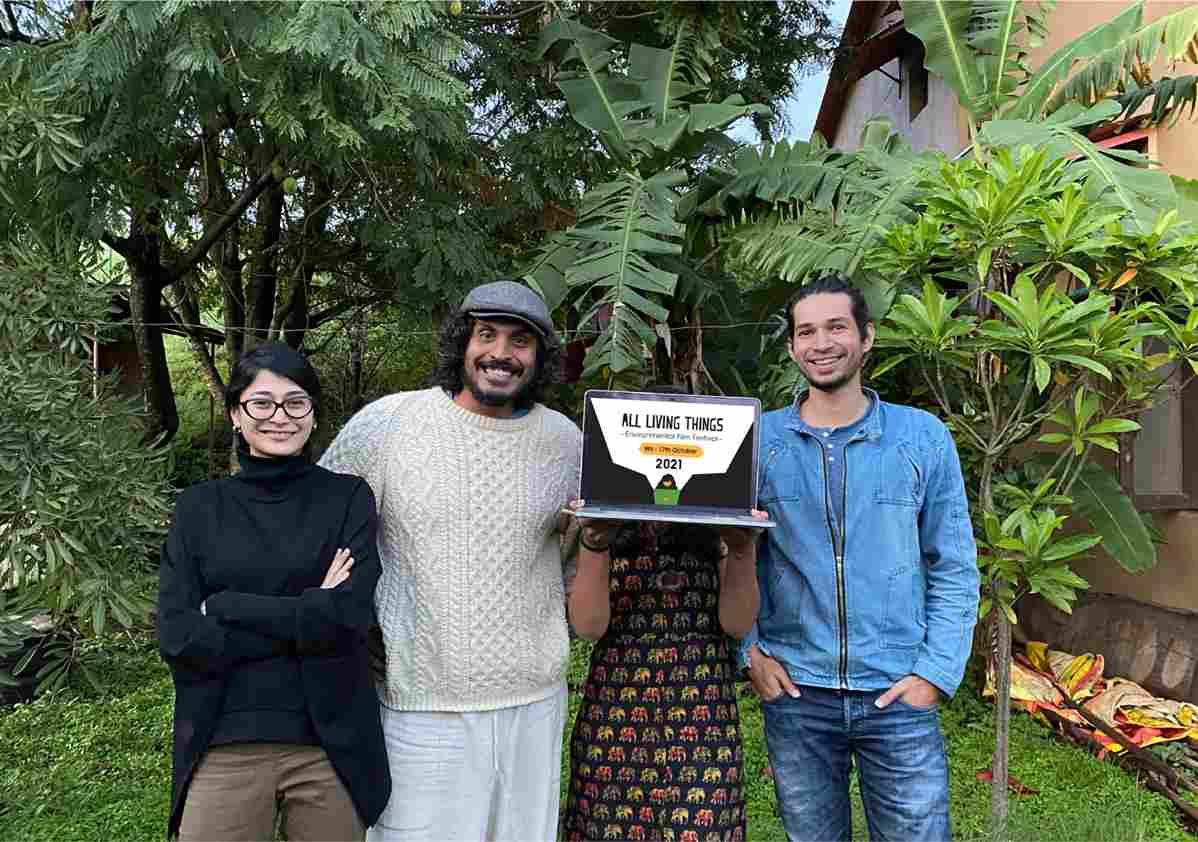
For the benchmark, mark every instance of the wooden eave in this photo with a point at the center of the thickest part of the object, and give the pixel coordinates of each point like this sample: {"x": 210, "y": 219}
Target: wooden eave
{"x": 858, "y": 55}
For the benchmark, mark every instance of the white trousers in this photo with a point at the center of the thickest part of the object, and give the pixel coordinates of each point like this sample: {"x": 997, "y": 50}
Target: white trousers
{"x": 487, "y": 775}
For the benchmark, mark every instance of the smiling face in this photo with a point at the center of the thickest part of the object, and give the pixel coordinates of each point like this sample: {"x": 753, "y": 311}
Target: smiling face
{"x": 498, "y": 366}
{"x": 827, "y": 344}
{"x": 278, "y": 435}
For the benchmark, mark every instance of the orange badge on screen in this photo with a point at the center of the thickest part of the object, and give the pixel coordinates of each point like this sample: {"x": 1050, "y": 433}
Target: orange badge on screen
{"x": 650, "y": 448}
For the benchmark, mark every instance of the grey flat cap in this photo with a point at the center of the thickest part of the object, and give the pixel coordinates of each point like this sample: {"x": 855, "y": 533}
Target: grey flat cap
{"x": 508, "y": 299}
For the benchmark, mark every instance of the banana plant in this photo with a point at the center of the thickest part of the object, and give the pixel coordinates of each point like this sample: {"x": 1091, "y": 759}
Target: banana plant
{"x": 980, "y": 50}
{"x": 794, "y": 211}
{"x": 650, "y": 111}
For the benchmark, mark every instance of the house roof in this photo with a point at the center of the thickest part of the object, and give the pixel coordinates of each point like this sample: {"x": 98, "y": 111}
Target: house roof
{"x": 858, "y": 55}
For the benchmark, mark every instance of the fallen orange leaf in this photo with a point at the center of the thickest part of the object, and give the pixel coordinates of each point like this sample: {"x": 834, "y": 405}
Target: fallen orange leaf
{"x": 1013, "y": 783}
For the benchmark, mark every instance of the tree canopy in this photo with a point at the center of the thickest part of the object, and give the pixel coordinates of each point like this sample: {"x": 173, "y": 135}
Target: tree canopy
{"x": 269, "y": 167}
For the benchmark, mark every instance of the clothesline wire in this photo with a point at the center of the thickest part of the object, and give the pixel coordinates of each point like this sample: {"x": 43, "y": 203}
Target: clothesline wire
{"x": 283, "y": 330}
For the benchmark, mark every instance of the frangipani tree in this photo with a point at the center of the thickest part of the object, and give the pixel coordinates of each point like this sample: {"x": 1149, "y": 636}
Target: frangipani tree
{"x": 1029, "y": 333}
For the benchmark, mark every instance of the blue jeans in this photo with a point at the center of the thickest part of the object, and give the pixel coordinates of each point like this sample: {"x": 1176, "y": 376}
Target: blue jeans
{"x": 899, "y": 752}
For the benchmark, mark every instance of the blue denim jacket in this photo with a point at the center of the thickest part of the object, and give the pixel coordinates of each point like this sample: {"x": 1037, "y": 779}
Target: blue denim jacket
{"x": 902, "y": 597}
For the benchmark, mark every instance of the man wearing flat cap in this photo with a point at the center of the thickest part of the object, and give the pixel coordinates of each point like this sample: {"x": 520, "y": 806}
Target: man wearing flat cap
{"x": 470, "y": 476}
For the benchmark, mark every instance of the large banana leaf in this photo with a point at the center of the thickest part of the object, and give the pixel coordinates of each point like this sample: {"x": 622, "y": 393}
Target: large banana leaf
{"x": 1187, "y": 197}
{"x": 1143, "y": 191}
{"x": 1039, "y": 87}
{"x": 1170, "y": 99}
{"x": 669, "y": 76}
{"x": 547, "y": 272}
{"x": 809, "y": 173}
{"x": 900, "y": 172}
{"x": 824, "y": 210}
{"x": 1000, "y": 34}
{"x": 1100, "y": 499}
{"x": 1173, "y": 37}
{"x": 621, "y": 223}
{"x": 943, "y": 27}
{"x": 800, "y": 249}
{"x": 597, "y": 99}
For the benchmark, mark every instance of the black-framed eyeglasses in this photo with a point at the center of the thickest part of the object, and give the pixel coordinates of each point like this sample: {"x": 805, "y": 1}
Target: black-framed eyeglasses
{"x": 262, "y": 409}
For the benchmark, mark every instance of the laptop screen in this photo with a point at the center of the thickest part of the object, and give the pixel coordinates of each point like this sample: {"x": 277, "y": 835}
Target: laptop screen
{"x": 667, "y": 450}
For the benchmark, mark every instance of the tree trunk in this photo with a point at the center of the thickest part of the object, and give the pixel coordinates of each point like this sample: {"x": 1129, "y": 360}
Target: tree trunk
{"x": 1000, "y": 657}
{"x": 233, "y": 292}
{"x": 264, "y": 271}
{"x": 1001, "y": 652}
{"x": 357, "y": 352}
{"x": 147, "y": 316}
{"x": 291, "y": 322}
{"x": 294, "y": 326}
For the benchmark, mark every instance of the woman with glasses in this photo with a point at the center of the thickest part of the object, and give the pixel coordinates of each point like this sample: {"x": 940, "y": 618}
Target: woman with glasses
{"x": 265, "y": 602}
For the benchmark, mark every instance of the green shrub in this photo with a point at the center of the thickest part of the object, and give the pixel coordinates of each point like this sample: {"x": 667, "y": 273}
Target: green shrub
{"x": 83, "y": 501}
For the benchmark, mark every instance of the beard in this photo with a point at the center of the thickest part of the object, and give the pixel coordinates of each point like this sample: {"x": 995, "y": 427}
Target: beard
{"x": 497, "y": 397}
{"x": 836, "y": 382}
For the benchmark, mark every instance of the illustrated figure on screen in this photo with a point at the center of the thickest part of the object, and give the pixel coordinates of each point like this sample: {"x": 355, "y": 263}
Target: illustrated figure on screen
{"x": 666, "y": 493}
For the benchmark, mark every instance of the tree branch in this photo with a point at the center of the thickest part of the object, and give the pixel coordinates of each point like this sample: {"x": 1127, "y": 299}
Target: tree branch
{"x": 333, "y": 311}
{"x": 1145, "y": 757}
{"x": 500, "y": 18}
{"x": 14, "y": 37}
{"x": 118, "y": 244}
{"x": 229, "y": 216}
{"x": 12, "y": 19}
{"x": 189, "y": 321}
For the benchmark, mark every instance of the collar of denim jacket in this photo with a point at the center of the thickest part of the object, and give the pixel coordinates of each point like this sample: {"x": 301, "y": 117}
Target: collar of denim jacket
{"x": 871, "y": 426}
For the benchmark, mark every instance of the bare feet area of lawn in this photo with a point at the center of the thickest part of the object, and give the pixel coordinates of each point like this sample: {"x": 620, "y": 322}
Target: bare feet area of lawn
{"x": 81, "y": 767}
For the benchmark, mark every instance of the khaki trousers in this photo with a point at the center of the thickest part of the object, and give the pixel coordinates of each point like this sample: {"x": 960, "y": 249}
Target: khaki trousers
{"x": 239, "y": 792}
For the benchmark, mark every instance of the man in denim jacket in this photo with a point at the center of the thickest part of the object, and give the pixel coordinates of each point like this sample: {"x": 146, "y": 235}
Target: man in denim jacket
{"x": 869, "y": 588}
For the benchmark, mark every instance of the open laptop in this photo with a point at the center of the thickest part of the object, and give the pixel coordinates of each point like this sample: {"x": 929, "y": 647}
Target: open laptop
{"x": 669, "y": 457}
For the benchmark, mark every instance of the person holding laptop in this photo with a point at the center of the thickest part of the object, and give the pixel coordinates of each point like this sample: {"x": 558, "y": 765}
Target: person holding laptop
{"x": 657, "y": 738}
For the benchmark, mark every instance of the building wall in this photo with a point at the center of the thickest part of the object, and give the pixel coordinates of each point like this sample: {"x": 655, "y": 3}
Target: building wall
{"x": 938, "y": 125}
{"x": 1172, "y": 583}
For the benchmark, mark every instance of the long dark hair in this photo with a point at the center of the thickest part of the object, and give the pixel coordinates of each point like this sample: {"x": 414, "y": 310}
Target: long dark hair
{"x": 279, "y": 359}
{"x": 451, "y": 354}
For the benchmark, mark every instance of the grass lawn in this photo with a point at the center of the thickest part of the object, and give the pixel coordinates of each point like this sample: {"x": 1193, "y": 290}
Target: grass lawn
{"x": 87, "y": 768}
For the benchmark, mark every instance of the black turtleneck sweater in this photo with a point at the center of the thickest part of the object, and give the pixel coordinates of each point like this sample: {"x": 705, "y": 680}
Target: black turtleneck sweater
{"x": 274, "y": 658}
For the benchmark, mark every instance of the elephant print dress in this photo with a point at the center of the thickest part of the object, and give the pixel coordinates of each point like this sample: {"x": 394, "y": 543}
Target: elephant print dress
{"x": 656, "y": 750}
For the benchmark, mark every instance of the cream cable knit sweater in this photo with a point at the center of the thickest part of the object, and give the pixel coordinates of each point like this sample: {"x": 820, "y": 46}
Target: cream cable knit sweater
{"x": 470, "y": 600}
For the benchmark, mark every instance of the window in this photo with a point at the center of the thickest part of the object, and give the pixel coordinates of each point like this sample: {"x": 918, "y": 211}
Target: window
{"x": 915, "y": 76}
{"x": 1158, "y": 466}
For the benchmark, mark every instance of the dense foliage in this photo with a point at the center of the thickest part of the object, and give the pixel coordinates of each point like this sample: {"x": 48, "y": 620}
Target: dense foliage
{"x": 83, "y": 504}
{"x": 1027, "y": 282}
